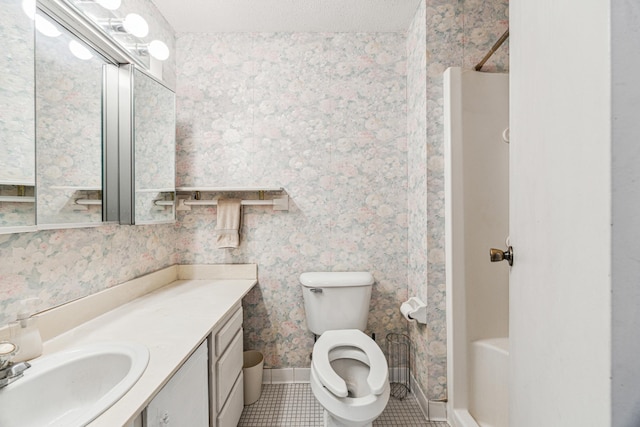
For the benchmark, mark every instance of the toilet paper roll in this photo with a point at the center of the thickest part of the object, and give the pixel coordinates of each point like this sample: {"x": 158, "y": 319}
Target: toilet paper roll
{"x": 406, "y": 309}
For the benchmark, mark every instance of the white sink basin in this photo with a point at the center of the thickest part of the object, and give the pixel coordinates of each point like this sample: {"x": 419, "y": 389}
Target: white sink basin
{"x": 72, "y": 387}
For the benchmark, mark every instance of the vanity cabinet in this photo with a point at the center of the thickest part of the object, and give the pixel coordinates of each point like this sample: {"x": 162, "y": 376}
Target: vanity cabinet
{"x": 183, "y": 401}
{"x": 208, "y": 389}
{"x": 226, "y": 381}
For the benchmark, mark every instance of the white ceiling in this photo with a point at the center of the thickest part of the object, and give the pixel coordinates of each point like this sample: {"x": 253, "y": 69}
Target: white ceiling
{"x": 208, "y": 16}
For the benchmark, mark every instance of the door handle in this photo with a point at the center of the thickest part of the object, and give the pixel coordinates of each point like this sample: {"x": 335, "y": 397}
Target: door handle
{"x": 497, "y": 255}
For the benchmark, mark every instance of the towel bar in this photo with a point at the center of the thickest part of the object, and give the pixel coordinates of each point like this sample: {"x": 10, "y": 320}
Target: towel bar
{"x": 17, "y": 199}
{"x": 85, "y": 202}
{"x": 164, "y": 202}
{"x": 279, "y": 203}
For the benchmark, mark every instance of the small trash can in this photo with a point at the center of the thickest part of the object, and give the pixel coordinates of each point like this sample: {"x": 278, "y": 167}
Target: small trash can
{"x": 253, "y": 361}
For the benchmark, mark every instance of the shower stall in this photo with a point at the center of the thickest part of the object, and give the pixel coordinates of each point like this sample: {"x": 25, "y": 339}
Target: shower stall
{"x": 477, "y": 218}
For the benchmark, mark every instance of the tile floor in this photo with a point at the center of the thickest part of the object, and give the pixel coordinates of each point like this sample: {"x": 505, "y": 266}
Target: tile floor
{"x": 293, "y": 405}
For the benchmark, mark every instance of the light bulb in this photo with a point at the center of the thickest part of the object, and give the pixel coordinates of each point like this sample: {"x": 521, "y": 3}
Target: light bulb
{"x": 109, "y": 4}
{"x": 136, "y": 25}
{"x": 45, "y": 27}
{"x": 159, "y": 50}
{"x": 29, "y": 8}
{"x": 80, "y": 51}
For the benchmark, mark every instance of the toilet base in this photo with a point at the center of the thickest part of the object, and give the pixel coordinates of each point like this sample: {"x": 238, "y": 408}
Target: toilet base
{"x": 330, "y": 421}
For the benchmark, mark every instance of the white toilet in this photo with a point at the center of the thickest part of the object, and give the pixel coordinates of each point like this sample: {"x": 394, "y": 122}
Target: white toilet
{"x": 349, "y": 373}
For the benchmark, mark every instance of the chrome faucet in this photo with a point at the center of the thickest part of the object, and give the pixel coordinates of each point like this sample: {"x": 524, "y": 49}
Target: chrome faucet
{"x": 9, "y": 371}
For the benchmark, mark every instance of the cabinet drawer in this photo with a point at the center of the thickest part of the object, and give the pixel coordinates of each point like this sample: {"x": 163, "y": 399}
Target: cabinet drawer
{"x": 228, "y": 332}
{"x": 228, "y": 368}
{"x": 230, "y": 414}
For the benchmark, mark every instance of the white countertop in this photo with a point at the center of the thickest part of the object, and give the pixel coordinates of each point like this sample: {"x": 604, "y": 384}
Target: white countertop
{"x": 171, "y": 321}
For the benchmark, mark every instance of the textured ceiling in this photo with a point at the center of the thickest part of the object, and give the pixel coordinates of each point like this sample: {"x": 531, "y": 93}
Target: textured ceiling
{"x": 200, "y": 16}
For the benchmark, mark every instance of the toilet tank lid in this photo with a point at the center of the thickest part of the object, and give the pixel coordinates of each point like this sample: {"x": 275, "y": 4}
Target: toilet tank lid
{"x": 336, "y": 279}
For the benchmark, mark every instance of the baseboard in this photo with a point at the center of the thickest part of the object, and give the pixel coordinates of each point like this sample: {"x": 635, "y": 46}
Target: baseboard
{"x": 285, "y": 375}
{"x": 433, "y": 411}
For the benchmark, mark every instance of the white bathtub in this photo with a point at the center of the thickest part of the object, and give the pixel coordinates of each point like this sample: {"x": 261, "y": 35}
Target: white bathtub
{"x": 489, "y": 385}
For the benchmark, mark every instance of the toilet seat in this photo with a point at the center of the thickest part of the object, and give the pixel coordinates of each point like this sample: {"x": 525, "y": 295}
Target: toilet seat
{"x": 378, "y": 370}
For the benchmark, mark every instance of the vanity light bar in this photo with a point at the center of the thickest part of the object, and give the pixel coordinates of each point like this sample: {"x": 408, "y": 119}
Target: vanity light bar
{"x": 156, "y": 48}
{"x": 133, "y": 24}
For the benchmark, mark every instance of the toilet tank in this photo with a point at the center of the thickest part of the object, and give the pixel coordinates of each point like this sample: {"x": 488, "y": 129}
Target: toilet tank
{"x": 336, "y": 300}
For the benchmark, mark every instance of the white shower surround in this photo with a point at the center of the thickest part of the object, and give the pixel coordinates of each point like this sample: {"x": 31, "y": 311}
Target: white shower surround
{"x": 477, "y": 217}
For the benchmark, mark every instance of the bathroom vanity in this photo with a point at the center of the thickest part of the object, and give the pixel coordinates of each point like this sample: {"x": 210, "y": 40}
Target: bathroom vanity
{"x": 190, "y": 319}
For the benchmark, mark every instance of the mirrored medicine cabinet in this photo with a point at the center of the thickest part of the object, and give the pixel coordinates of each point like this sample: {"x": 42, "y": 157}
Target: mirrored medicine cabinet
{"x": 100, "y": 129}
{"x": 148, "y": 122}
{"x": 17, "y": 117}
{"x": 70, "y": 81}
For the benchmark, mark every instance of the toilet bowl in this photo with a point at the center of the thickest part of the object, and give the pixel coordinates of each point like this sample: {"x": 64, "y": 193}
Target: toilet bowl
{"x": 349, "y": 374}
{"x": 349, "y": 378}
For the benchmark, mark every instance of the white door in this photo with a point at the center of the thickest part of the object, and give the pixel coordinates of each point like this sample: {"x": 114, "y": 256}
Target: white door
{"x": 560, "y": 193}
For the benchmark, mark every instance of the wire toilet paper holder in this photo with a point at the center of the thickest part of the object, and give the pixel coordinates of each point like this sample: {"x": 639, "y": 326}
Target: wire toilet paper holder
{"x": 414, "y": 310}
{"x": 399, "y": 353}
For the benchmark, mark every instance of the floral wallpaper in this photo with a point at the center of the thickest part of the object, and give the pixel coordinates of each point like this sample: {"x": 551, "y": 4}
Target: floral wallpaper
{"x": 324, "y": 116}
{"x": 59, "y": 266}
{"x": 483, "y": 23}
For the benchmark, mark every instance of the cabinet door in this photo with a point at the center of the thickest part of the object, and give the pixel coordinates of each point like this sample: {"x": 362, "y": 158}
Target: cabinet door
{"x": 147, "y": 149}
{"x": 183, "y": 401}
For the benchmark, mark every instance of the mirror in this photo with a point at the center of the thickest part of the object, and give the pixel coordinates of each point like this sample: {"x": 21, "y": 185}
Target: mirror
{"x": 17, "y": 150}
{"x": 69, "y": 127}
{"x": 154, "y": 142}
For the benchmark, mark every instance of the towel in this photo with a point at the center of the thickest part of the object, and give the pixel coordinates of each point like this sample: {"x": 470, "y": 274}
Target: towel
{"x": 228, "y": 223}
